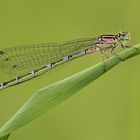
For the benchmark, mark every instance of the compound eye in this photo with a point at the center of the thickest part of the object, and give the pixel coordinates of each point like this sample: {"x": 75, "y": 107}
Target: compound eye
{"x": 124, "y": 34}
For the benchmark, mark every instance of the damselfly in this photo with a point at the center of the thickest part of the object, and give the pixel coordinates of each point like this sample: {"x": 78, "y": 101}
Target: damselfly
{"x": 26, "y": 62}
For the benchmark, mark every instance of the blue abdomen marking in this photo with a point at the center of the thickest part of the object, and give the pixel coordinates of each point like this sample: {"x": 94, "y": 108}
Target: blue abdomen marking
{"x": 66, "y": 58}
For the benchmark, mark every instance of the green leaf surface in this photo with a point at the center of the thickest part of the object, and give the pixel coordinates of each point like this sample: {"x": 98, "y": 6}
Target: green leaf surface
{"x": 50, "y": 96}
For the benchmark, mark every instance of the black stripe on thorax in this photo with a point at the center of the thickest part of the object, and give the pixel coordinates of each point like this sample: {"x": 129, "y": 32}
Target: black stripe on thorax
{"x": 109, "y": 36}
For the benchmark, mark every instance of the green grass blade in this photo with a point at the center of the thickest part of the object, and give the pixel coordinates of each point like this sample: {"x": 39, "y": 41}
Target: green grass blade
{"x": 50, "y": 96}
{"x": 5, "y": 137}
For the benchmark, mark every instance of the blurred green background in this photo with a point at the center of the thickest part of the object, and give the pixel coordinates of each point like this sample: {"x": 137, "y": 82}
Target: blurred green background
{"x": 107, "y": 109}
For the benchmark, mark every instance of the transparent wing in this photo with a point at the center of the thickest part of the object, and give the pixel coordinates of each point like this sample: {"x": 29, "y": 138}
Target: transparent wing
{"x": 74, "y": 46}
{"x": 17, "y": 61}
{"x": 20, "y": 60}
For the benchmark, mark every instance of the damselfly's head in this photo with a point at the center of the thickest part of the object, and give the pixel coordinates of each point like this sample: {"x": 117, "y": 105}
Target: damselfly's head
{"x": 124, "y": 36}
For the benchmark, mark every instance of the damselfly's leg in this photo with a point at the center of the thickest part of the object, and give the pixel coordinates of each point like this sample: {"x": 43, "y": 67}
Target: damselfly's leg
{"x": 132, "y": 47}
{"x": 123, "y": 47}
{"x": 112, "y": 49}
{"x": 104, "y": 67}
{"x": 102, "y": 53}
{"x": 105, "y": 54}
{"x": 118, "y": 56}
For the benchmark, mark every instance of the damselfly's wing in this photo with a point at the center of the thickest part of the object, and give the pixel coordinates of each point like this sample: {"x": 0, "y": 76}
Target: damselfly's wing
{"x": 72, "y": 47}
{"x": 21, "y": 60}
